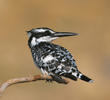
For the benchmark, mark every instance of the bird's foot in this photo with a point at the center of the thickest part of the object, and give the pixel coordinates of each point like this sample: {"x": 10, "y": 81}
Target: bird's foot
{"x": 59, "y": 79}
{"x": 49, "y": 80}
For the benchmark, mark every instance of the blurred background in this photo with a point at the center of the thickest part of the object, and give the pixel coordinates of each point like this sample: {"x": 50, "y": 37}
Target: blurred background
{"x": 91, "y": 49}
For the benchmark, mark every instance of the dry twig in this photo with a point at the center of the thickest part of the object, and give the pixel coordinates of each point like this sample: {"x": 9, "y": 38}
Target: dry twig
{"x": 27, "y": 79}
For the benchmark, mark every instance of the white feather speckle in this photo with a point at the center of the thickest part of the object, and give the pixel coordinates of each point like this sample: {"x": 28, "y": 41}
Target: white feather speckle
{"x": 48, "y": 58}
{"x": 74, "y": 74}
{"x": 91, "y": 81}
{"x": 43, "y": 30}
{"x": 44, "y": 72}
{"x": 80, "y": 75}
{"x": 40, "y": 30}
{"x": 60, "y": 66}
{"x": 33, "y": 42}
{"x": 46, "y": 39}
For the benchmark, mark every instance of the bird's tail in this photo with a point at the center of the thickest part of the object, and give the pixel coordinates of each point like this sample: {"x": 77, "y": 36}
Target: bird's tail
{"x": 79, "y": 75}
{"x": 84, "y": 78}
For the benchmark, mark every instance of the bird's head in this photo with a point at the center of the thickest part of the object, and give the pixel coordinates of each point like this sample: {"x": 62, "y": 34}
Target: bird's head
{"x": 39, "y": 35}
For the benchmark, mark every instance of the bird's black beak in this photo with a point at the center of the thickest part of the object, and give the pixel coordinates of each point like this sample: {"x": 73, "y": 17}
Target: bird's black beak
{"x": 64, "y": 34}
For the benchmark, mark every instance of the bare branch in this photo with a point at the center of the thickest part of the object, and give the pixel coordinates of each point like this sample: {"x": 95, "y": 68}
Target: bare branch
{"x": 27, "y": 79}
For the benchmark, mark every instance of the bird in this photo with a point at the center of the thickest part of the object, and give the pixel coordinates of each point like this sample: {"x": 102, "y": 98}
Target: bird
{"x": 53, "y": 60}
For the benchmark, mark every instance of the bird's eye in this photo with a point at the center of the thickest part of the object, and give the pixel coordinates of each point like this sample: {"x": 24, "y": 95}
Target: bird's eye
{"x": 47, "y": 33}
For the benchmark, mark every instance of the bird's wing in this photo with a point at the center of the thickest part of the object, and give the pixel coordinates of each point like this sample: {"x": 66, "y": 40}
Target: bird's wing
{"x": 57, "y": 60}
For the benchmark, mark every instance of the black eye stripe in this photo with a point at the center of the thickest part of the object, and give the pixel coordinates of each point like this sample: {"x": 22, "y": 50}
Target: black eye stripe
{"x": 41, "y": 34}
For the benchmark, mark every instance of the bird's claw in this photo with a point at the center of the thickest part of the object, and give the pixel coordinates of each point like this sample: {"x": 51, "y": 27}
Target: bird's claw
{"x": 49, "y": 80}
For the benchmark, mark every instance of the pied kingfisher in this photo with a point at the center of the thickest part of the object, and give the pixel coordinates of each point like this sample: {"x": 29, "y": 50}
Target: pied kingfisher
{"x": 52, "y": 59}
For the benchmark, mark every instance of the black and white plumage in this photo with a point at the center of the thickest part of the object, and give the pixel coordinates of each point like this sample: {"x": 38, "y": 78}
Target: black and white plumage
{"x": 52, "y": 59}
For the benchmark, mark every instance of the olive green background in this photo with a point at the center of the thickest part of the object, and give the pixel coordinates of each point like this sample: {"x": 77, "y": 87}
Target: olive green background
{"x": 91, "y": 49}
